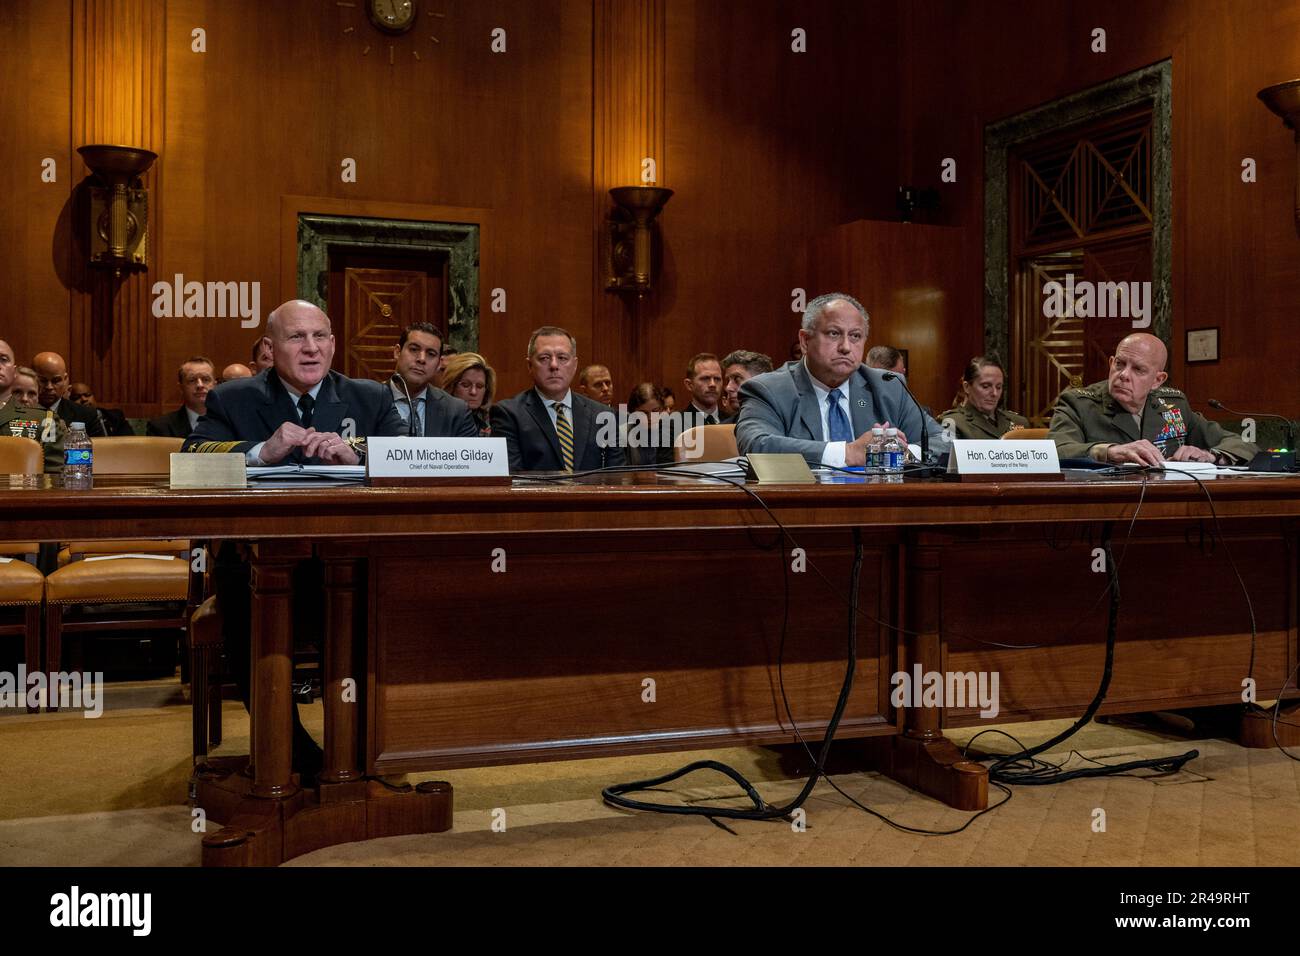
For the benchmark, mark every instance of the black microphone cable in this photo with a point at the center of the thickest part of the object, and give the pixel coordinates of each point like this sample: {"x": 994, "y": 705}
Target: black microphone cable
{"x": 1021, "y": 768}
{"x": 1038, "y": 772}
{"x": 614, "y": 794}
{"x": 1252, "y": 706}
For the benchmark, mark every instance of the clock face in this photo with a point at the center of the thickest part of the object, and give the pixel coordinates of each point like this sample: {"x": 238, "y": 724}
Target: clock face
{"x": 392, "y": 16}
{"x": 395, "y": 18}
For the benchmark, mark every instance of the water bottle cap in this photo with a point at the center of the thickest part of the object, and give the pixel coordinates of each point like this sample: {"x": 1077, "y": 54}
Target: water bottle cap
{"x": 877, "y": 431}
{"x": 891, "y": 431}
{"x": 77, "y": 426}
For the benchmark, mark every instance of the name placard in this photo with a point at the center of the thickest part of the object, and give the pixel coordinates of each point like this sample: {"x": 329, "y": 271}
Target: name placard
{"x": 216, "y": 470}
{"x": 992, "y": 459}
{"x": 437, "y": 460}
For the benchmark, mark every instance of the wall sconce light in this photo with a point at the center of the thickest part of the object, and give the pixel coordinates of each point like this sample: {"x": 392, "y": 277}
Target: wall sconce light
{"x": 119, "y": 206}
{"x": 1284, "y": 100}
{"x": 629, "y": 260}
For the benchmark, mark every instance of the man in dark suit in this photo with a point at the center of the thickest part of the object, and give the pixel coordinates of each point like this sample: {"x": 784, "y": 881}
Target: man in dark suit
{"x": 549, "y": 427}
{"x": 704, "y": 386}
{"x": 291, "y": 412}
{"x": 737, "y": 369}
{"x": 197, "y": 376}
{"x": 418, "y": 355}
{"x": 113, "y": 420}
{"x": 52, "y": 377}
{"x": 825, "y": 406}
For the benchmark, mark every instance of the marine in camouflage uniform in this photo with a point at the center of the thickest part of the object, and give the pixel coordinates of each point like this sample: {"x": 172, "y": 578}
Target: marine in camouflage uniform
{"x": 970, "y": 423}
{"x": 38, "y": 424}
{"x": 1087, "y": 420}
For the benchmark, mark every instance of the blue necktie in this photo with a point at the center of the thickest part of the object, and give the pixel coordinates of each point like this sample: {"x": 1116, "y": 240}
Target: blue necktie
{"x": 839, "y": 422}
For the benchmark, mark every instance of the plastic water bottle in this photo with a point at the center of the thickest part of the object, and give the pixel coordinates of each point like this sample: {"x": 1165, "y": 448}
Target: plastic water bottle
{"x": 876, "y": 452}
{"x": 892, "y": 454}
{"x": 78, "y": 458}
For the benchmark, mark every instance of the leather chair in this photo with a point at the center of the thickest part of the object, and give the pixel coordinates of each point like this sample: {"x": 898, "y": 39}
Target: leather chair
{"x": 712, "y": 443}
{"x": 1025, "y": 434}
{"x": 21, "y": 456}
{"x": 120, "y": 572}
{"x": 22, "y": 586}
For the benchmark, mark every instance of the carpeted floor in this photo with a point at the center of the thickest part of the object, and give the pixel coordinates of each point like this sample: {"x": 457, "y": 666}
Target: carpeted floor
{"x": 111, "y": 791}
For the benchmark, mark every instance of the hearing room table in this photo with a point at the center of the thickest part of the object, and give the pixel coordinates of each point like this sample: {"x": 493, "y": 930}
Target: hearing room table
{"x": 544, "y": 621}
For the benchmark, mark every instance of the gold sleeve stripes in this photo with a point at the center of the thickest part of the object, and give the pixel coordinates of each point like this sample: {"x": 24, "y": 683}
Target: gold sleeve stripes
{"x": 210, "y": 447}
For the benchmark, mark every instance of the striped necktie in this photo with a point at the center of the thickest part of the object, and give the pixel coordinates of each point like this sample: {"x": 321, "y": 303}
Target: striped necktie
{"x": 564, "y": 431}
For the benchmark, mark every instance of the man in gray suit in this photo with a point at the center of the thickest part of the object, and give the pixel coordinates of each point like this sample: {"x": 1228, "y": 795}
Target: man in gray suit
{"x": 825, "y": 406}
{"x": 437, "y": 414}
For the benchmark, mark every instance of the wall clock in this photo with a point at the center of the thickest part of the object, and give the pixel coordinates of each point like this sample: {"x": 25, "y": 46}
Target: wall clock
{"x": 392, "y": 16}
{"x": 387, "y": 24}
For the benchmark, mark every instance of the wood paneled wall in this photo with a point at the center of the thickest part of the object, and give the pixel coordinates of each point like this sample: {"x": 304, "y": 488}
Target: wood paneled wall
{"x": 902, "y": 274}
{"x": 766, "y": 149}
{"x": 1236, "y": 256}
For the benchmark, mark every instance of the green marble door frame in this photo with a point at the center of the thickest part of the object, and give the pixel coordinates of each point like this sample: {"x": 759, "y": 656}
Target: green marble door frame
{"x": 1152, "y": 85}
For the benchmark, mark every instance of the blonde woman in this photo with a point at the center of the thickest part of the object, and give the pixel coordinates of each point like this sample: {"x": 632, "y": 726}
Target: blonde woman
{"x": 470, "y": 378}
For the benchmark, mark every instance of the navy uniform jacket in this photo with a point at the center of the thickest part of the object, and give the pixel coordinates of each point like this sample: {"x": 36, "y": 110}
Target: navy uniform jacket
{"x": 245, "y": 411}
{"x": 1089, "y": 416}
{"x": 779, "y": 411}
{"x": 525, "y": 424}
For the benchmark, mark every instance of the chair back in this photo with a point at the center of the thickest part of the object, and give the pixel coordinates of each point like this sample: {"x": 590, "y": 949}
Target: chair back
{"x": 708, "y": 442}
{"x": 134, "y": 455}
{"x": 21, "y": 456}
{"x": 1025, "y": 434}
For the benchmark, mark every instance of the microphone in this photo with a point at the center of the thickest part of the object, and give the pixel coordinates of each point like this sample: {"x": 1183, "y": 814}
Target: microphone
{"x": 925, "y": 432}
{"x": 410, "y": 422}
{"x": 1267, "y": 460}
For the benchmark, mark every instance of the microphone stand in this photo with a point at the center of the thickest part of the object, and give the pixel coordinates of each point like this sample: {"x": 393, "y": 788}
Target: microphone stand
{"x": 1290, "y": 427}
{"x": 1267, "y": 460}
{"x": 925, "y": 471}
{"x": 410, "y": 404}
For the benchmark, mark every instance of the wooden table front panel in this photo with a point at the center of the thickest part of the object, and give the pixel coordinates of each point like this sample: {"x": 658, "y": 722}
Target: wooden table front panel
{"x": 471, "y": 667}
{"x": 1184, "y": 626}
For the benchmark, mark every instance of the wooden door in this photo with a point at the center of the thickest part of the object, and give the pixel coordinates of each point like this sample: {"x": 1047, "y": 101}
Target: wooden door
{"x": 373, "y": 297}
{"x": 378, "y": 305}
{"x": 1081, "y": 206}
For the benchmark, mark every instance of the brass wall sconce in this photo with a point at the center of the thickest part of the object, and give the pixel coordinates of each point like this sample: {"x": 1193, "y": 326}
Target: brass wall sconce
{"x": 119, "y": 206}
{"x": 630, "y": 259}
{"x": 1284, "y": 100}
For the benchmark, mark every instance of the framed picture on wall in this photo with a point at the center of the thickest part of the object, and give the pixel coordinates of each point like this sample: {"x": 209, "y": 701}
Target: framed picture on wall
{"x": 1203, "y": 344}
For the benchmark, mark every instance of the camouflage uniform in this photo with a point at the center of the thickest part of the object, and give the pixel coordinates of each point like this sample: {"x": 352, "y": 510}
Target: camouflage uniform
{"x": 970, "y": 423}
{"x": 1086, "y": 420}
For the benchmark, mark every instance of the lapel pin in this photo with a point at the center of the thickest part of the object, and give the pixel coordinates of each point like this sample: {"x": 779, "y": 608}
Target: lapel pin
{"x": 862, "y": 403}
